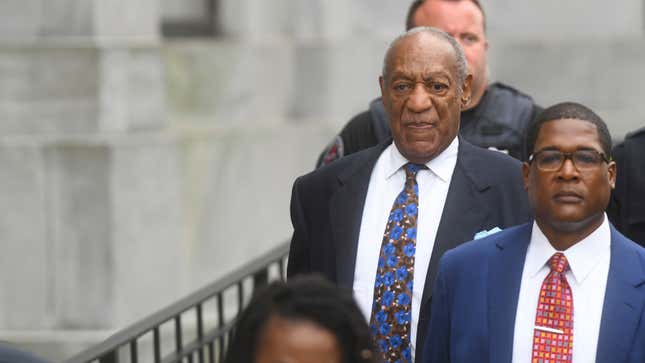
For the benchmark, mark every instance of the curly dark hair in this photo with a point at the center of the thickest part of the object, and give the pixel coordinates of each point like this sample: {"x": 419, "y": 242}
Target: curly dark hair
{"x": 308, "y": 298}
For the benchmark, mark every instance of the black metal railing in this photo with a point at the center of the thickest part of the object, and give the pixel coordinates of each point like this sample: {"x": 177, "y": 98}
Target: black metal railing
{"x": 147, "y": 340}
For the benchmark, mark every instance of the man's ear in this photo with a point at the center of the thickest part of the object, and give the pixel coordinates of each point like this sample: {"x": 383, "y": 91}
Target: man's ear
{"x": 611, "y": 170}
{"x": 381, "y": 82}
{"x": 466, "y": 90}
{"x": 526, "y": 170}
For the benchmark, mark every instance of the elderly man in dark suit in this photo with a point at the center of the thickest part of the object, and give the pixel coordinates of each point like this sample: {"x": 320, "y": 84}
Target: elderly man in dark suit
{"x": 379, "y": 220}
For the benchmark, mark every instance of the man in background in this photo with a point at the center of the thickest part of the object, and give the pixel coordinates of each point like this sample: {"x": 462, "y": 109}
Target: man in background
{"x": 496, "y": 115}
{"x": 627, "y": 206}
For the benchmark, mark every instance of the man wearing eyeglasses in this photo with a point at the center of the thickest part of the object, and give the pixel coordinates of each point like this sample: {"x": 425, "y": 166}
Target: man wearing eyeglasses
{"x": 567, "y": 287}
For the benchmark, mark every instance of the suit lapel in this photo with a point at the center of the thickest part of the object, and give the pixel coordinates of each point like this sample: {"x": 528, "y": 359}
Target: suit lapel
{"x": 623, "y": 302}
{"x": 346, "y": 212}
{"x": 465, "y": 206}
{"x": 504, "y": 280}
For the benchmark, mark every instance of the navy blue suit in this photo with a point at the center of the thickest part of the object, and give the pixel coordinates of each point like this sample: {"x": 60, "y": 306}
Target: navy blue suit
{"x": 477, "y": 289}
{"x": 327, "y": 206}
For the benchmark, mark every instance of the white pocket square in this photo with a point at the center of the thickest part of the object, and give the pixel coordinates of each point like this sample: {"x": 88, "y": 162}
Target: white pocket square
{"x": 486, "y": 233}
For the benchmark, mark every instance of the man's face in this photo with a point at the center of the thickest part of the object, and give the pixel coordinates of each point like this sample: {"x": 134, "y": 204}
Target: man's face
{"x": 568, "y": 200}
{"x": 421, "y": 96}
{"x": 465, "y": 22}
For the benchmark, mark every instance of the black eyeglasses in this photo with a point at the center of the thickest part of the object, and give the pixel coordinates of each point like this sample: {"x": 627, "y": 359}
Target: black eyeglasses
{"x": 583, "y": 160}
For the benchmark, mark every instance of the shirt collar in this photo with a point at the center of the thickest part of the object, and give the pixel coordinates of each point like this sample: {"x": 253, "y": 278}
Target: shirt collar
{"x": 582, "y": 257}
{"x": 441, "y": 165}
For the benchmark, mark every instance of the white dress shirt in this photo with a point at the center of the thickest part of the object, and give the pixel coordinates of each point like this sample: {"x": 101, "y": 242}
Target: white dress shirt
{"x": 386, "y": 182}
{"x": 587, "y": 277}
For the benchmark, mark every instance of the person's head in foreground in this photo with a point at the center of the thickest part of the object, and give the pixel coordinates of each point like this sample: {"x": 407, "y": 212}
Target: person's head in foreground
{"x": 570, "y": 175}
{"x": 306, "y": 320}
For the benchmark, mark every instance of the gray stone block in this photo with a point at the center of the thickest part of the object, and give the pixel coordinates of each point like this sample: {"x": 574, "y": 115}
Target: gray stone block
{"x": 384, "y": 19}
{"x": 321, "y": 19}
{"x": 52, "y": 19}
{"x": 26, "y": 296}
{"x": 572, "y": 19}
{"x": 80, "y": 231}
{"x": 67, "y": 18}
{"x": 21, "y": 18}
{"x": 150, "y": 244}
{"x": 334, "y": 81}
{"x": 238, "y": 186}
{"x": 599, "y": 74}
{"x": 226, "y": 83}
{"x": 340, "y": 19}
{"x": 131, "y": 94}
{"x": 47, "y": 90}
{"x": 255, "y": 19}
{"x": 126, "y": 20}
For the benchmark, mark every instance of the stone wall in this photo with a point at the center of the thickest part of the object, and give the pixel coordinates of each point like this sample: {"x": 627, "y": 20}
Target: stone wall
{"x": 134, "y": 169}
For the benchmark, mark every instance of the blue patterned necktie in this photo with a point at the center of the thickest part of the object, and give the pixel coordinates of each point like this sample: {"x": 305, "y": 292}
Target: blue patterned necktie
{"x": 392, "y": 303}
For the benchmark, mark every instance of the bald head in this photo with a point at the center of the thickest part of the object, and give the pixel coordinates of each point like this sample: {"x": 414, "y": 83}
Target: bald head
{"x": 419, "y": 37}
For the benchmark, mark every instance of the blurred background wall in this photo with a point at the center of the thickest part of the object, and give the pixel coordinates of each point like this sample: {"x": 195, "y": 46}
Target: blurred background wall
{"x": 148, "y": 147}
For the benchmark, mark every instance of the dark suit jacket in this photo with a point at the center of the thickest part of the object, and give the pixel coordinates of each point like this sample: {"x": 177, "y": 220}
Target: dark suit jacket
{"x": 627, "y": 205}
{"x": 489, "y": 272}
{"x": 486, "y": 191}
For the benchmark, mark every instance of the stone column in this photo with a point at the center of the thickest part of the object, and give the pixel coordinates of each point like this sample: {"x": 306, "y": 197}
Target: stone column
{"x": 91, "y": 232}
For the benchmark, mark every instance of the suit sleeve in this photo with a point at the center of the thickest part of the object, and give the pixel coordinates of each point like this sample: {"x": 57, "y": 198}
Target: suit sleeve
{"x": 437, "y": 345}
{"x": 298, "y": 251}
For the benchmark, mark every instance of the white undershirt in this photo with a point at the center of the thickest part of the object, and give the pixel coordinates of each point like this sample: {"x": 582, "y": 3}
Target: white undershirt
{"x": 386, "y": 182}
{"x": 589, "y": 262}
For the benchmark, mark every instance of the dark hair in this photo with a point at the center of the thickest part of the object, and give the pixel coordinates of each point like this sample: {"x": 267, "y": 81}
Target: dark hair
{"x": 569, "y": 110}
{"x": 412, "y": 10}
{"x": 416, "y": 4}
{"x": 309, "y": 298}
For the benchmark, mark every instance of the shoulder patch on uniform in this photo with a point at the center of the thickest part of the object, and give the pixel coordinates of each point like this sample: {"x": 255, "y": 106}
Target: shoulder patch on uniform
{"x": 334, "y": 151}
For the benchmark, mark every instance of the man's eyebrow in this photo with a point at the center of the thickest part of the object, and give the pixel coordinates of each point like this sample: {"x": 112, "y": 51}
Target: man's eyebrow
{"x": 399, "y": 74}
{"x": 587, "y": 148}
{"x": 428, "y": 75}
{"x": 548, "y": 148}
{"x": 553, "y": 148}
{"x": 436, "y": 75}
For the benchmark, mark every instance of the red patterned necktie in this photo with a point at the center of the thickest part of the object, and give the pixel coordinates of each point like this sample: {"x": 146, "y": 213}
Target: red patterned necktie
{"x": 553, "y": 332}
{"x": 392, "y": 303}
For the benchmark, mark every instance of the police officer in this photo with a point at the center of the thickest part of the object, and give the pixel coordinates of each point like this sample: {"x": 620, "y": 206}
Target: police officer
{"x": 496, "y": 115}
{"x": 627, "y": 206}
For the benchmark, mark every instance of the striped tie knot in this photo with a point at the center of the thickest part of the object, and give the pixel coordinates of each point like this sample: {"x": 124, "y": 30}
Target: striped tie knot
{"x": 558, "y": 262}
